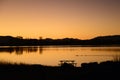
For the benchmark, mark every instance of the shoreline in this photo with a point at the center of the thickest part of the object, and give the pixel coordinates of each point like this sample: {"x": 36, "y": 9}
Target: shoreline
{"x": 88, "y": 71}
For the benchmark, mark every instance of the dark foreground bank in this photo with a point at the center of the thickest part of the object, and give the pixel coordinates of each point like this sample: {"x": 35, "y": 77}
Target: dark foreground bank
{"x": 88, "y": 71}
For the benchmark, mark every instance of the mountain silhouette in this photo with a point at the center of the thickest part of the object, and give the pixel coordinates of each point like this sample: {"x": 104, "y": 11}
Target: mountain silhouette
{"x": 19, "y": 41}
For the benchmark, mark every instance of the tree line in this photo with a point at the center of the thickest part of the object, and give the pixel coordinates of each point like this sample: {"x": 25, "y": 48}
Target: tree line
{"x": 19, "y": 41}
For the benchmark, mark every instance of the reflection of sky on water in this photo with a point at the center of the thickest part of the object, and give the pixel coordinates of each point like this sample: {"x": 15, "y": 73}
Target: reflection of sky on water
{"x": 51, "y": 55}
{"x": 21, "y": 49}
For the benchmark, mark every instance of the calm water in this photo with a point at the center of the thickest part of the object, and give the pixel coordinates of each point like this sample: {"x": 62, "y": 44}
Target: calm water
{"x": 51, "y": 55}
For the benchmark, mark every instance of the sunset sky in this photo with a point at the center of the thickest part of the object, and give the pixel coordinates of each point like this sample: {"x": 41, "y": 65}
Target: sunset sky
{"x": 81, "y": 19}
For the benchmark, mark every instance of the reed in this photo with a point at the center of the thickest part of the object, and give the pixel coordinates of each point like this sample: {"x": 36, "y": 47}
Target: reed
{"x": 116, "y": 58}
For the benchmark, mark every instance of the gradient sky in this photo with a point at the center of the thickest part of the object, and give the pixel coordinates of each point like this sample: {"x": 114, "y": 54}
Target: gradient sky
{"x": 82, "y": 19}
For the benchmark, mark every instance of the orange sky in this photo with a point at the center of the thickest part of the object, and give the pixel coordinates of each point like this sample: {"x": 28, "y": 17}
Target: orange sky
{"x": 82, "y": 19}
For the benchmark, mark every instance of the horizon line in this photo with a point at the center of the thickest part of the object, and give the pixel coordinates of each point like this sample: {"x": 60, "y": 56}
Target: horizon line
{"x": 40, "y": 37}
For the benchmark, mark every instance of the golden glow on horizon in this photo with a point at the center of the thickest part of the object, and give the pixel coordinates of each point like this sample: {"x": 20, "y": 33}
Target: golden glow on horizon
{"x": 59, "y": 19}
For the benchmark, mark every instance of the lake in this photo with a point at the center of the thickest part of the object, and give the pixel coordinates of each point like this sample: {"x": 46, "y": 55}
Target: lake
{"x": 51, "y": 55}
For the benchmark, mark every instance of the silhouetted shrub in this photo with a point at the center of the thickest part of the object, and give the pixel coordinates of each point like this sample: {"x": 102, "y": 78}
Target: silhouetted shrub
{"x": 66, "y": 65}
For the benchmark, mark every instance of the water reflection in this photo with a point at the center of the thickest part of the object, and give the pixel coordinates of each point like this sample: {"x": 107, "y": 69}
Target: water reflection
{"x": 51, "y": 55}
{"x": 30, "y": 49}
{"x": 107, "y": 49}
{"x": 20, "y": 50}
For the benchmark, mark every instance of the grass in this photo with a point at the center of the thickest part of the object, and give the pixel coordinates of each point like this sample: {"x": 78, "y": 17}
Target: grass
{"x": 116, "y": 58}
{"x": 108, "y": 70}
{"x": 11, "y": 63}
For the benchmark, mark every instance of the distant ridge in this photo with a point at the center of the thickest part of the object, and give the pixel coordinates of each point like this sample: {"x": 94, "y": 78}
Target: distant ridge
{"x": 19, "y": 41}
{"x": 106, "y": 40}
{"x": 115, "y": 37}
